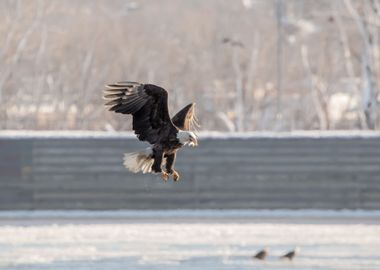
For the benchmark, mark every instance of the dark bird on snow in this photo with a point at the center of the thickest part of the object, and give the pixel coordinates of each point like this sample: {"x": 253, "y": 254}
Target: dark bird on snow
{"x": 261, "y": 255}
{"x": 291, "y": 254}
{"x": 148, "y": 105}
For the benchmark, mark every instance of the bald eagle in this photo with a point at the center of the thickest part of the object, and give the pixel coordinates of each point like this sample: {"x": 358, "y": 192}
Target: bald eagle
{"x": 148, "y": 105}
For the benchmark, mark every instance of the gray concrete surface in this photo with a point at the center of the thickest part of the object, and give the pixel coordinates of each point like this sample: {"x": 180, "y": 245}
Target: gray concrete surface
{"x": 254, "y": 172}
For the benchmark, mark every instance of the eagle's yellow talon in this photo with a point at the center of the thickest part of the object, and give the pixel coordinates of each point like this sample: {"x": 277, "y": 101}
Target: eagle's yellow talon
{"x": 175, "y": 176}
{"x": 165, "y": 176}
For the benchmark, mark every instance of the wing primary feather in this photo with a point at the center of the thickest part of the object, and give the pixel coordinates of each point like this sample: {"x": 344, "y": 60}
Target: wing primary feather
{"x": 127, "y": 83}
{"x": 115, "y": 86}
{"x": 123, "y": 109}
{"x": 112, "y": 96}
{"x": 113, "y": 102}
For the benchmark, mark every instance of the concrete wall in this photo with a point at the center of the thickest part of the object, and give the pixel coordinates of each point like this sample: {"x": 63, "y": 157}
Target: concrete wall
{"x": 255, "y": 172}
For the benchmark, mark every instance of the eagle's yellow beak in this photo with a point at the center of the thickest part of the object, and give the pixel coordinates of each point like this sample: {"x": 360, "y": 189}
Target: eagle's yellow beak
{"x": 193, "y": 142}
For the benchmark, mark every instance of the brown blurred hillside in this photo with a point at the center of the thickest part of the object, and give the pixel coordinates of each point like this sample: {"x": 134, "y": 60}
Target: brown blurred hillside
{"x": 249, "y": 65}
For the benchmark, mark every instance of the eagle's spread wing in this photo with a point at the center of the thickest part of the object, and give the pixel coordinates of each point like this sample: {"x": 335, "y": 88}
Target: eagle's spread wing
{"x": 186, "y": 119}
{"x": 147, "y": 103}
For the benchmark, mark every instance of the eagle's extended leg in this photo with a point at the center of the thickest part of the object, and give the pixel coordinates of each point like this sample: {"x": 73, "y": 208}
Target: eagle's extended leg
{"x": 175, "y": 175}
{"x": 156, "y": 167}
{"x": 165, "y": 176}
{"x": 170, "y": 159}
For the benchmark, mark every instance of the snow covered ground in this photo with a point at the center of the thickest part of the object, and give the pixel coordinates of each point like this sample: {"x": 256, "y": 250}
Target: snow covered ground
{"x": 188, "y": 239}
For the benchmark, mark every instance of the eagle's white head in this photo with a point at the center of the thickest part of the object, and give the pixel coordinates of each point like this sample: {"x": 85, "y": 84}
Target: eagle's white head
{"x": 187, "y": 137}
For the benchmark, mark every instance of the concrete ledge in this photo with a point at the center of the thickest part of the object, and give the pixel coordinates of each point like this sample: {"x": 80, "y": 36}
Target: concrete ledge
{"x": 83, "y": 170}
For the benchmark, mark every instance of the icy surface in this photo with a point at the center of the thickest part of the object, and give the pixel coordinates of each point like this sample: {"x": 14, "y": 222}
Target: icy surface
{"x": 188, "y": 239}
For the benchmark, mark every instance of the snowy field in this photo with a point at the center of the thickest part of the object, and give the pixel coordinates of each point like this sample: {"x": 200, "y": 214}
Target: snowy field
{"x": 188, "y": 239}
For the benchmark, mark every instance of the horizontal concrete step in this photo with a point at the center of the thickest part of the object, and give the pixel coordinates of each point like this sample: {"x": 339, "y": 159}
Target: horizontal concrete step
{"x": 257, "y": 172}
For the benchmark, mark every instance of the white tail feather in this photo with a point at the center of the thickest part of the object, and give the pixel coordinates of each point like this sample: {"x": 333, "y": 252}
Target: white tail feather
{"x": 139, "y": 161}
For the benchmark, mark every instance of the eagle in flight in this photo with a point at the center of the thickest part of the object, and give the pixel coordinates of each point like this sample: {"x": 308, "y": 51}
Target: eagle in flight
{"x": 148, "y": 105}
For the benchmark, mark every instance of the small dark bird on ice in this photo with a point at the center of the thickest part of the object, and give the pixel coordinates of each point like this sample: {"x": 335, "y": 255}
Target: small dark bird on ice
{"x": 261, "y": 255}
{"x": 291, "y": 254}
{"x": 148, "y": 105}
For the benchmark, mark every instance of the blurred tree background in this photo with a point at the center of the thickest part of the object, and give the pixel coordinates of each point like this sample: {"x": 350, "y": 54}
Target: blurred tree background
{"x": 249, "y": 65}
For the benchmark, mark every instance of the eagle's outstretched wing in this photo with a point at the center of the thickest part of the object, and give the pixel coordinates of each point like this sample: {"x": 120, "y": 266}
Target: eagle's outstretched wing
{"x": 147, "y": 103}
{"x": 186, "y": 119}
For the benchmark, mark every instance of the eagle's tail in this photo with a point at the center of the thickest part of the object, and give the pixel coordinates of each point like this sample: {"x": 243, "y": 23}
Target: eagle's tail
{"x": 139, "y": 161}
